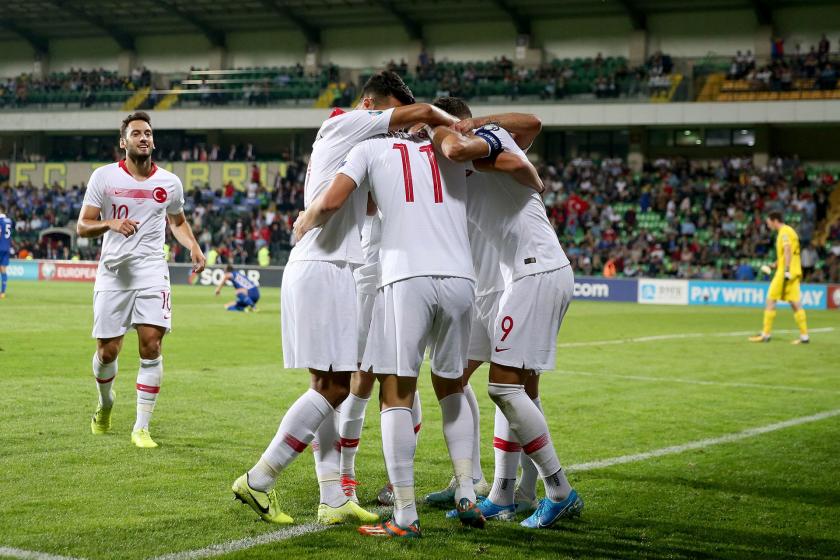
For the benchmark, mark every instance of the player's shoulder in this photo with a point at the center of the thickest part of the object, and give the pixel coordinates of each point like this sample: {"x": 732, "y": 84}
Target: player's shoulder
{"x": 349, "y": 120}
{"x": 507, "y": 140}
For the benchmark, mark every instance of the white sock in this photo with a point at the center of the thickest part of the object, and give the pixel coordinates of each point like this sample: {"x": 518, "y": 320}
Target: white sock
{"x": 325, "y": 448}
{"x": 416, "y": 415}
{"x": 149, "y": 377}
{"x": 458, "y": 433}
{"x": 476, "y": 417}
{"x": 506, "y": 450}
{"x": 529, "y": 426}
{"x": 296, "y": 431}
{"x": 399, "y": 446}
{"x": 350, "y": 422}
{"x": 528, "y": 482}
{"x": 104, "y": 375}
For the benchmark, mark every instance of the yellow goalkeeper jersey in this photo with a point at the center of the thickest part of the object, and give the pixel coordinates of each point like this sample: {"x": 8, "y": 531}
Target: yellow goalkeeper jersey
{"x": 787, "y": 236}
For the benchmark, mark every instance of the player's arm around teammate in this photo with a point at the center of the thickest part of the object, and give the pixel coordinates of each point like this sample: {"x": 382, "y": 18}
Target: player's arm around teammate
{"x": 485, "y": 150}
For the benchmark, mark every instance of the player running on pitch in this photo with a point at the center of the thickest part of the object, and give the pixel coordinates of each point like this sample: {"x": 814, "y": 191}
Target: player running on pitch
{"x": 129, "y": 203}
{"x": 785, "y": 283}
{"x": 247, "y": 290}
{"x": 6, "y": 228}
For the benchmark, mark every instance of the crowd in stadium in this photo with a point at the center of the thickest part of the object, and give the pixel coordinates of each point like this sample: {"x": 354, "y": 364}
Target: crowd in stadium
{"x": 816, "y": 68}
{"x": 676, "y": 218}
{"x": 604, "y": 77}
{"x": 83, "y": 86}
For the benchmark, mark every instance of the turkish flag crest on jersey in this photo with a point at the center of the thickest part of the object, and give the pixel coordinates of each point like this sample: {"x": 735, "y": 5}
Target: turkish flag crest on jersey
{"x": 159, "y": 194}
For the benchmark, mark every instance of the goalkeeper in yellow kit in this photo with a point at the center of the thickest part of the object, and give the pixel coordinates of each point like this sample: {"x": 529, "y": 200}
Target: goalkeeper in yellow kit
{"x": 785, "y": 283}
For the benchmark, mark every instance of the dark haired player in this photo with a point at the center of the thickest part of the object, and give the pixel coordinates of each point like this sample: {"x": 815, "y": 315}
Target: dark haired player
{"x": 247, "y": 290}
{"x": 318, "y": 300}
{"x": 129, "y": 204}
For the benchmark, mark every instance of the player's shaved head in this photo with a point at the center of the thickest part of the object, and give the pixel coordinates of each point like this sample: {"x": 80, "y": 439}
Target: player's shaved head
{"x": 387, "y": 84}
{"x": 455, "y": 106}
{"x": 138, "y": 116}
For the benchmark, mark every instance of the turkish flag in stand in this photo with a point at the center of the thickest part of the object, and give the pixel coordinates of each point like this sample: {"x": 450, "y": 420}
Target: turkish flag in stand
{"x": 576, "y": 204}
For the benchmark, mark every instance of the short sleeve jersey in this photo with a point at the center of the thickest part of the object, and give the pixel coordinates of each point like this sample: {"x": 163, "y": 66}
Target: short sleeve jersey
{"x": 368, "y": 275}
{"x": 485, "y": 259}
{"x": 339, "y": 239}
{"x": 788, "y": 236}
{"x": 514, "y": 220}
{"x": 241, "y": 280}
{"x": 422, "y": 201}
{"x": 137, "y": 261}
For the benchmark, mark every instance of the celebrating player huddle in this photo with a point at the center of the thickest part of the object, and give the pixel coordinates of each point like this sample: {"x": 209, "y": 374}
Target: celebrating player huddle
{"x": 426, "y": 175}
{"x": 424, "y": 229}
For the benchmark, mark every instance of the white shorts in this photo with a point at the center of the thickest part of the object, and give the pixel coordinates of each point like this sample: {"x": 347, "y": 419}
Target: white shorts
{"x": 484, "y": 313}
{"x": 318, "y": 315}
{"x": 530, "y": 313}
{"x": 416, "y": 313}
{"x": 116, "y": 311}
{"x": 364, "y": 313}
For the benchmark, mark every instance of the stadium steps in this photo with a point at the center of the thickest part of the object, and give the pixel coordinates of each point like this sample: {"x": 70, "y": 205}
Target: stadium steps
{"x": 667, "y": 96}
{"x": 169, "y": 99}
{"x": 712, "y": 86}
{"x": 832, "y": 218}
{"x": 327, "y": 96}
{"x": 137, "y": 99}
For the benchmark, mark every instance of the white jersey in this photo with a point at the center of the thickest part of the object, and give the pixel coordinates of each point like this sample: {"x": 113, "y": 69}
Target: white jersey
{"x": 338, "y": 240}
{"x": 485, "y": 259}
{"x": 367, "y": 275}
{"x": 422, "y": 200}
{"x": 137, "y": 261}
{"x": 514, "y": 219}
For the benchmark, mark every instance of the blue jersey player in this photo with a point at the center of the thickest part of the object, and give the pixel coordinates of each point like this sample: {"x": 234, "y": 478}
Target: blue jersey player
{"x": 5, "y": 248}
{"x": 247, "y": 290}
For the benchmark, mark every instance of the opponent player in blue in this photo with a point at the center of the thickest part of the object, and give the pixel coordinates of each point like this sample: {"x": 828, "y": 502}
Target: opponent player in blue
{"x": 247, "y": 290}
{"x": 6, "y": 228}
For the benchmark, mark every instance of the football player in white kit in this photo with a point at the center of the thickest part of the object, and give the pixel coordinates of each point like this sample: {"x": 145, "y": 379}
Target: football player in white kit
{"x": 129, "y": 203}
{"x": 538, "y": 289}
{"x": 318, "y": 295}
{"x": 424, "y": 299}
{"x": 490, "y": 285}
{"x": 352, "y": 413}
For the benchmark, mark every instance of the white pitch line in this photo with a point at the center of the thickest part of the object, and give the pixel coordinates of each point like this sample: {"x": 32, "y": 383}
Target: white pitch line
{"x": 9, "y": 552}
{"x": 676, "y": 336}
{"x": 791, "y": 388}
{"x": 703, "y": 443}
{"x": 242, "y": 544}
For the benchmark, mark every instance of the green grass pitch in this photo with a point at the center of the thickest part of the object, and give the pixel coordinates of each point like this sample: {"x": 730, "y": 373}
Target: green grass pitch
{"x": 774, "y": 495}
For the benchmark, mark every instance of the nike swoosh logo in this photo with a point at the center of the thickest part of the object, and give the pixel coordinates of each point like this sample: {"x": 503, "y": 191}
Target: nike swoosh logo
{"x": 501, "y": 349}
{"x": 262, "y": 508}
{"x": 117, "y": 193}
{"x": 167, "y": 317}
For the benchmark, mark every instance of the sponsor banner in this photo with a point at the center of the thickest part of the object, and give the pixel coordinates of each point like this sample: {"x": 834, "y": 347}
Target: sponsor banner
{"x": 606, "y": 289}
{"x": 192, "y": 174}
{"x": 64, "y": 271}
{"x": 267, "y": 277}
{"x": 833, "y": 297}
{"x": 667, "y": 292}
{"x": 748, "y": 294}
{"x": 22, "y": 270}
